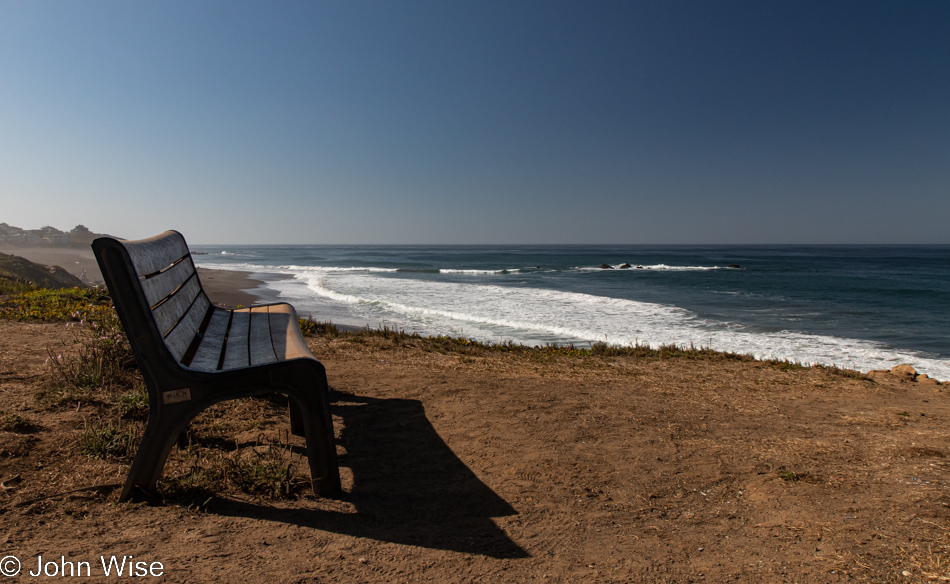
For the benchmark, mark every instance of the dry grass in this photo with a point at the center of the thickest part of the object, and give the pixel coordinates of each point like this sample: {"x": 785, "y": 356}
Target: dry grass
{"x": 110, "y": 440}
{"x": 97, "y": 364}
{"x": 265, "y": 469}
{"x": 14, "y": 422}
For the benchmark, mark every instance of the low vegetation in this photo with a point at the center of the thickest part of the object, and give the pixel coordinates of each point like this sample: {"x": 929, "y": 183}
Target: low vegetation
{"x": 99, "y": 364}
{"x": 15, "y": 286}
{"x": 58, "y": 305}
{"x": 469, "y": 347}
{"x": 267, "y": 469}
{"x": 14, "y": 422}
{"x": 109, "y": 440}
{"x": 133, "y": 404}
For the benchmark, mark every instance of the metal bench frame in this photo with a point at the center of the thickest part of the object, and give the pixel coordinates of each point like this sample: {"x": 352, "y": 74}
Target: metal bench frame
{"x": 193, "y": 354}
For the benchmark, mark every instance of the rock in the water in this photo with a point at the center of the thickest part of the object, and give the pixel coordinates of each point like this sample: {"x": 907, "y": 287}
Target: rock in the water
{"x": 625, "y": 266}
{"x": 735, "y": 266}
{"x": 606, "y": 267}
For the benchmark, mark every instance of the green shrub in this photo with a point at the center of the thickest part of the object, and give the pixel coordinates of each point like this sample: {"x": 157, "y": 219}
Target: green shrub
{"x": 8, "y": 286}
{"x": 312, "y": 328}
{"x": 109, "y": 441}
{"x": 66, "y": 304}
{"x": 785, "y": 365}
{"x": 133, "y": 404}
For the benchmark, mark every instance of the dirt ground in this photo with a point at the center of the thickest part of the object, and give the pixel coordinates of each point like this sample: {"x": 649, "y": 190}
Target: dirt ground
{"x": 512, "y": 468}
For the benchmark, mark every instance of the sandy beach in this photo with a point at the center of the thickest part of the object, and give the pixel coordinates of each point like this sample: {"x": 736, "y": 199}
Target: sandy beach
{"x": 507, "y": 466}
{"x": 233, "y": 289}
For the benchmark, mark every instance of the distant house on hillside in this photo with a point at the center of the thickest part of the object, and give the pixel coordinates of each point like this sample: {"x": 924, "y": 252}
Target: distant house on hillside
{"x": 10, "y": 233}
{"x": 33, "y": 236}
{"x": 46, "y": 235}
{"x": 51, "y": 235}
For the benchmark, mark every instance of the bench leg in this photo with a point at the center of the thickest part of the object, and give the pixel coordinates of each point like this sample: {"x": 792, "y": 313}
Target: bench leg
{"x": 314, "y": 409}
{"x": 157, "y": 442}
{"x": 296, "y": 420}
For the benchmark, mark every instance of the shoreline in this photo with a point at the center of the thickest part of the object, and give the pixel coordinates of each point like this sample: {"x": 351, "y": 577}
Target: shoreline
{"x": 233, "y": 288}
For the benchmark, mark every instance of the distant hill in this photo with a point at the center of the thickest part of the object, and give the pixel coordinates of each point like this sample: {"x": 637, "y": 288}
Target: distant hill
{"x": 47, "y": 236}
{"x": 81, "y": 236}
{"x": 17, "y": 270}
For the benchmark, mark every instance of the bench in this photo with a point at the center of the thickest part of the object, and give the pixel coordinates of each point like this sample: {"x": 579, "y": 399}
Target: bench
{"x": 193, "y": 354}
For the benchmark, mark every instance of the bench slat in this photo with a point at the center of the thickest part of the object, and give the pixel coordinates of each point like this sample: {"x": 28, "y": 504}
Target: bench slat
{"x": 179, "y": 339}
{"x": 160, "y": 286}
{"x": 286, "y": 337}
{"x": 236, "y": 350}
{"x": 209, "y": 351}
{"x": 156, "y": 253}
{"x": 262, "y": 351}
{"x": 171, "y": 311}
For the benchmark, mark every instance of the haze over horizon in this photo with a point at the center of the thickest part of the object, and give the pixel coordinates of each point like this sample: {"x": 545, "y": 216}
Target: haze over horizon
{"x": 479, "y": 122}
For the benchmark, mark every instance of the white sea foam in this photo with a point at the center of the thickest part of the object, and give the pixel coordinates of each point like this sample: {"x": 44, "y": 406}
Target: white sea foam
{"x": 532, "y": 315}
{"x": 235, "y": 267}
{"x": 659, "y": 267}
{"x": 478, "y": 272}
{"x": 289, "y": 269}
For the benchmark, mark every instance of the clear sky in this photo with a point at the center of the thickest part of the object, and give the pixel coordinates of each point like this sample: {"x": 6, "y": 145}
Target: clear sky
{"x": 479, "y": 122}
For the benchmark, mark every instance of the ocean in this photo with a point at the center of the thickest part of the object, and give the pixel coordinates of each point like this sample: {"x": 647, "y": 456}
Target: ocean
{"x": 860, "y": 307}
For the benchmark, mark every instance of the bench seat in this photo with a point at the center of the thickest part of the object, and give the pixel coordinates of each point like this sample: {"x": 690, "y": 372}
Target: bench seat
{"x": 255, "y": 336}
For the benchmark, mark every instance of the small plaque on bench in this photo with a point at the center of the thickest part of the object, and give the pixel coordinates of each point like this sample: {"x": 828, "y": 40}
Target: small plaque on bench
{"x": 177, "y": 395}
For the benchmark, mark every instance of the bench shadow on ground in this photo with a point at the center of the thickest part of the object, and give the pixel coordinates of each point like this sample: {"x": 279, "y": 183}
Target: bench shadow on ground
{"x": 408, "y": 485}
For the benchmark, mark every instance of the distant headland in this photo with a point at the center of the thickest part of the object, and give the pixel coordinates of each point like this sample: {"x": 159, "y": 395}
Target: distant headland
{"x": 53, "y": 250}
{"x": 78, "y": 236}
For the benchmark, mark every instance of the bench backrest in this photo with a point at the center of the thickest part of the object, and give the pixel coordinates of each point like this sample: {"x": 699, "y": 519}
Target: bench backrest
{"x": 161, "y": 289}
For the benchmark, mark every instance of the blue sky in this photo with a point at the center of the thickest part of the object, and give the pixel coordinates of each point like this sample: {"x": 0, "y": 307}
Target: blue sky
{"x": 479, "y": 122}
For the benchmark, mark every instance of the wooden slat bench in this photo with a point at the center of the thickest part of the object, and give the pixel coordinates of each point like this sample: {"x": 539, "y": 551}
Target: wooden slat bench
{"x": 193, "y": 354}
